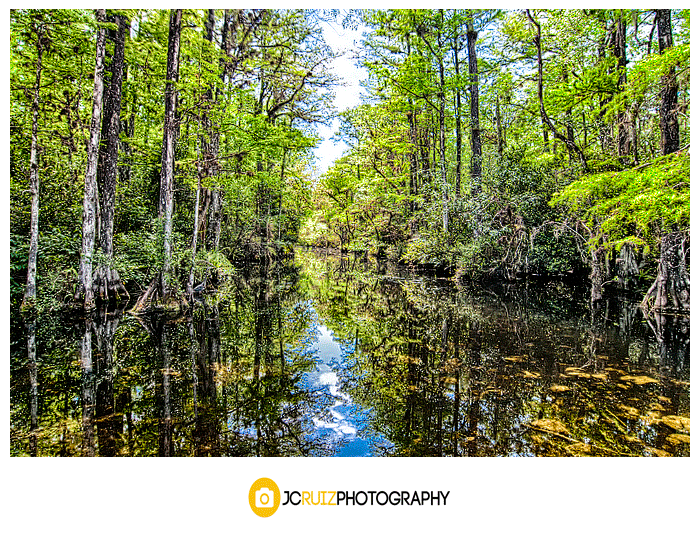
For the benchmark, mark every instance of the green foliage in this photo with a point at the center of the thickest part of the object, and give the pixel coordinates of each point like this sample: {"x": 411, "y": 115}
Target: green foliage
{"x": 632, "y": 206}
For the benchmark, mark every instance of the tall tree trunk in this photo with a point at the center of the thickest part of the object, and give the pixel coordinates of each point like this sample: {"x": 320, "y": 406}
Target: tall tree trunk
{"x": 167, "y": 171}
{"x": 668, "y": 108}
{"x": 107, "y": 284}
{"x": 443, "y": 155}
{"x": 29, "y": 301}
{"x": 90, "y": 197}
{"x": 163, "y": 287}
{"x": 458, "y": 116}
{"x": 474, "y": 107}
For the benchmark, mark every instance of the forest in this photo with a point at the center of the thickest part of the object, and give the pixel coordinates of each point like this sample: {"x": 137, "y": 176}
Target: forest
{"x": 504, "y": 240}
{"x": 151, "y": 150}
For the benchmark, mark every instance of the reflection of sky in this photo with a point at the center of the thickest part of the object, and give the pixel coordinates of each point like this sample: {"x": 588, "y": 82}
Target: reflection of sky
{"x": 338, "y": 422}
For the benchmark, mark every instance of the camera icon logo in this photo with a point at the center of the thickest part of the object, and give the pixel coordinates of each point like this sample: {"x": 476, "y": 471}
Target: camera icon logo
{"x": 264, "y": 497}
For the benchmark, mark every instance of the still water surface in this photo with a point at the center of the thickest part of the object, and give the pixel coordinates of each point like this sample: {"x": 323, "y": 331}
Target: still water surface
{"x": 322, "y": 356}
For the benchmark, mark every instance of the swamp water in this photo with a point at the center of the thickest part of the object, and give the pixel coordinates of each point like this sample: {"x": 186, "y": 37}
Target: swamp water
{"x": 322, "y": 356}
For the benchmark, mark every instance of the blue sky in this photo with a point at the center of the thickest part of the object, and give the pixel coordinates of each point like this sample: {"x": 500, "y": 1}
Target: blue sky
{"x": 342, "y": 41}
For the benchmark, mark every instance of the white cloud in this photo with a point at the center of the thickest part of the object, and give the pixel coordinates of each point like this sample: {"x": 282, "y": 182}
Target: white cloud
{"x": 343, "y": 41}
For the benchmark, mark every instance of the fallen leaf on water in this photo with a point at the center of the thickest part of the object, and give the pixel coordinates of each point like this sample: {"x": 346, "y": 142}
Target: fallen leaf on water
{"x": 677, "y": 422}
{"x": 638, "y": 380}
{"x": 559, "y": 388}
{"x": 550, "y": 425}
{"x": 578, "y": 449}
{"x": 629, "y": 412}
{"x": 677, "y": 439}
{"x": 657, "y": 452}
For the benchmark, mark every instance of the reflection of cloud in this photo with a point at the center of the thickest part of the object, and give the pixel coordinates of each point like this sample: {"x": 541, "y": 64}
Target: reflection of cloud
{"x": 328, "y": 351}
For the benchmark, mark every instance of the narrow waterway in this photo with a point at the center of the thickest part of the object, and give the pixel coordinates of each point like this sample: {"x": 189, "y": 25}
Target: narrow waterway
{"x": 328, "y": 356}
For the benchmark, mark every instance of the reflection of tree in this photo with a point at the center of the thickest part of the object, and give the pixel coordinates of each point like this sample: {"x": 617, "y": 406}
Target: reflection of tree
{"x": 437, "y": 370}
{"x": 207, "y": 357}
{"x": 88, "y": 390}
{"x": 30, "y": 326}
{"x": 497, "y": 372}
{"x": 109, "y": 422}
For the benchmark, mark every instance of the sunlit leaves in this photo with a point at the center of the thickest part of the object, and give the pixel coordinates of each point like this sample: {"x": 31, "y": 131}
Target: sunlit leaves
{"x": 634, "y": 205}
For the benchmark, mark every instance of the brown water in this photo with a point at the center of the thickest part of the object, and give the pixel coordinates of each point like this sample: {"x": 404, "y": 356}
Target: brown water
{"x": 340, "y": 357}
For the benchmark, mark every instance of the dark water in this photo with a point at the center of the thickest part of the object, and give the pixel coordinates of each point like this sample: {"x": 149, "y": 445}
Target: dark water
{"x": 330, "y": 357}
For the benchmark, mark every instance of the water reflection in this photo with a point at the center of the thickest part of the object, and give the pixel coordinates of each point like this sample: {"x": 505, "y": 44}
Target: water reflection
{"x": 327, "y": 356}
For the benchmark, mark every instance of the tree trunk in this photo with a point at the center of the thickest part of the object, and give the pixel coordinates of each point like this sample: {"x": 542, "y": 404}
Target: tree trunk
{"x": 29, "y": 301}
{"x": 671, "y": 289}
{"x": 597, "y": 258}
{"x": 167, "y": 171}
{"x": 458, "y": 117}
{"x": 670, "y": 292}
{"x": 668, "y": 108}
{"x": 90, "y": 197}
{"x": 107, "y": 284}
{"x": 443, "y": 156}
{"x": 627, "y": 269}
{"x": 500, "y": 137}
{"x": 474, "y": 108}
{"x": 163, "y": 288}
{"x": 195, "y": 233}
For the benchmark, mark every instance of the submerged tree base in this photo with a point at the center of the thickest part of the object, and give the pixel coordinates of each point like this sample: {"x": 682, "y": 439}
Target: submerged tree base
{"x": 155, "y": 299}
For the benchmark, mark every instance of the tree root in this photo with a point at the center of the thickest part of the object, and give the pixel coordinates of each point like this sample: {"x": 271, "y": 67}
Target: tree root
{"x": 154, "y": 299}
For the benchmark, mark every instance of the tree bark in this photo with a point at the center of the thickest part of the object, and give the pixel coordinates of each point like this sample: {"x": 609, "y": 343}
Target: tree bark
{"x": 458, "y": 117}
{"x": 443, "y": 156}
{"x": 597, "y": 258}
{"x": 163, "y": 288}
{"x": 167, "y": 171}
{"x": 668, "y": 108}
{"x": 474, "y": 107}
{"x": 29, "y": 301}
{"x": 90, "y": 198}
{"x": 671, "y": 289}
{"x": 107, "y": 284}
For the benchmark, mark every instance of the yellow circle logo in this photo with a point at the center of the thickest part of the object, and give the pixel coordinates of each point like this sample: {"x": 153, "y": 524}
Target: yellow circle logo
{"x": 264, "y": 497}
